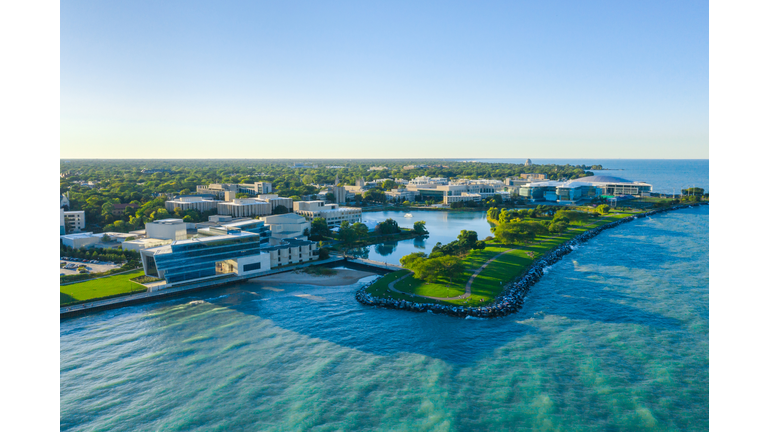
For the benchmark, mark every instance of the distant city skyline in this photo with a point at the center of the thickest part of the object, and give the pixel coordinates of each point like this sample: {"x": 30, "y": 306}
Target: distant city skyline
{"x": 304, "y": 80}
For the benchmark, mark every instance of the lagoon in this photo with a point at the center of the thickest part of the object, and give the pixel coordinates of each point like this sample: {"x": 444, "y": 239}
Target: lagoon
{"x": 443, "y": 227}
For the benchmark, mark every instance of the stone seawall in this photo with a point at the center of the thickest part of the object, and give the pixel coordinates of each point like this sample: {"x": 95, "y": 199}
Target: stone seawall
{"x": 511, "y": 298}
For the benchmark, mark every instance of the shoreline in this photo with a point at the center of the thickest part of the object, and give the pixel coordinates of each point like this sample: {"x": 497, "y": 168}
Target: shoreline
{"x": 511, "y": 298}
{"x": 343, "y": 277}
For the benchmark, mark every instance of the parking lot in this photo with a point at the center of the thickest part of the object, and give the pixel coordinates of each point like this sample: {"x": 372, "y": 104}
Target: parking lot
{"x": 91, "y": 267}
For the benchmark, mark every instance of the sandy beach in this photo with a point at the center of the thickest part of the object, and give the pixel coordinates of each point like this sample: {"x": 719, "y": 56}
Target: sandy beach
{"x": 342, "y": 277}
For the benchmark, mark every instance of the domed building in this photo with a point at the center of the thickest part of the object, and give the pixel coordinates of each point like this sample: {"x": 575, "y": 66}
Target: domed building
{"x": 528, "y": 162}
{"x": 583, "y": 189}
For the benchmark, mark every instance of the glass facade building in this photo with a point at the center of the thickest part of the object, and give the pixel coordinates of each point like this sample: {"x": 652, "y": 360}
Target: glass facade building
{"x": 199, "y": 258}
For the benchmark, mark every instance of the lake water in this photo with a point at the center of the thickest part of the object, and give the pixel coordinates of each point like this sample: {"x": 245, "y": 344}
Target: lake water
{"x": 613, "y": 338}
{"x": 443, "y": 227}
{"x": 666, "y": 175}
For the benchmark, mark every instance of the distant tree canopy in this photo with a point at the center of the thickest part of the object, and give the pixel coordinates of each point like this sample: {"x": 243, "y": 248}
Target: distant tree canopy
{"x": 91, "y": 184}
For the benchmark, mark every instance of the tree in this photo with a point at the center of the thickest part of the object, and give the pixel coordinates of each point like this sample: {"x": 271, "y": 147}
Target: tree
{"x": 413, "y": 259}
{"x": 330, "y": 197}
{"x": 493, "y": 213}
{"x": 518, "y": 232}
{"x": 388, "y": 185}
{"x": 451, "y": 267}
{"x": 346, "y": 233}
{"x": 375, "y": 195}
{"x": 105, "y": 239}
{"x": 107, "y": 208}
{"x": 319, "y": 229}
{"x": 603, "y": 209}
{"x": 467, "y": 238}
{"x": 361, "y": 230}
{"x": 241, "y": 195}
{"x": 280, "y": 209}
{"x": 389, "y": 226}
{"x": 420, "y": 228}
{"x": 557, "y": 227}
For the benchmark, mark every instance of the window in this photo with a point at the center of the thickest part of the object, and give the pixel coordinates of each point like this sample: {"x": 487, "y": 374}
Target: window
{"x": 250, "y": 267}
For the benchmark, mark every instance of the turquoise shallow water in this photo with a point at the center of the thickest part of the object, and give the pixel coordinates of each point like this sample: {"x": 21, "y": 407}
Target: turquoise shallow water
{"x": 613, "y": 338}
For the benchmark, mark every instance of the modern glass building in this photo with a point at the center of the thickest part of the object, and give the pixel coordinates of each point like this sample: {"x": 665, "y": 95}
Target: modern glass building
{"x": 584, "y": 188}
{"x": 236, "y": 253}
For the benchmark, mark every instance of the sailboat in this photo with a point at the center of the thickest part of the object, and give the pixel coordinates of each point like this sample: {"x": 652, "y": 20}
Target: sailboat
{"x": 408, "y": 215}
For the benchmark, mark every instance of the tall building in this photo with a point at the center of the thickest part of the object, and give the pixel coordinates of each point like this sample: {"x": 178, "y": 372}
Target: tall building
{"x": 74, "y": 221}
{"x": 262, "y": 188}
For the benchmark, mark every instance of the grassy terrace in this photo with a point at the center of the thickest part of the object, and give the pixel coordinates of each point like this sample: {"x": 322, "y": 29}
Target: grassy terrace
{"x": 488, "y": 284}
{"x": 98, "y": 289}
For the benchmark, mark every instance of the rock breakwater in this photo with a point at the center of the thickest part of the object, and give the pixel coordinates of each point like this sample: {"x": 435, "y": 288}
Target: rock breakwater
{"x": 512, "y": 296}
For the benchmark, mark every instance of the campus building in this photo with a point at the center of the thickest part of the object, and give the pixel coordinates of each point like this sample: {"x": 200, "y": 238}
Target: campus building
{"x": 333, "y": 214}
{"x": 191, "y": 202}
{"x": 244, "y": 207}
{"x": 74, "y": 221}
{"x": 80, "y": 240}
{"x": 440, "y": 189}
{"x": 252, "y": 226}
{"x": 584, "y": 188}
{"x": 275, "y": 201}
{"x": 289, "y": 225}
{"x": 206, "y": 258}
{"x": 167, "y": 229}
{"x": 291, "y": 251}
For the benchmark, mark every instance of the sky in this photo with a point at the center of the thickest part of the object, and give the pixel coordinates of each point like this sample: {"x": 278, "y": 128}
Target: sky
{"x": 508, "y": 79}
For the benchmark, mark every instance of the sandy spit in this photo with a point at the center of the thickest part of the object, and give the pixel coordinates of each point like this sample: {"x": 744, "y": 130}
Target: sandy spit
{"x": 342, "y": 277}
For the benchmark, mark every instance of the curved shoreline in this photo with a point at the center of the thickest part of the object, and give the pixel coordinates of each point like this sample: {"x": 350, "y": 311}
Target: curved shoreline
{"x": 510, "y": 300}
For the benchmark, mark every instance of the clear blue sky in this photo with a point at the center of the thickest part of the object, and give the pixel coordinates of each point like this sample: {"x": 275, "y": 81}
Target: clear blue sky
{"x": 257, "y": 79}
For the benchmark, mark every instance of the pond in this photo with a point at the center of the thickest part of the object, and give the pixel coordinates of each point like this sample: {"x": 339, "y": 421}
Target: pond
{"x": 443, "y": 227}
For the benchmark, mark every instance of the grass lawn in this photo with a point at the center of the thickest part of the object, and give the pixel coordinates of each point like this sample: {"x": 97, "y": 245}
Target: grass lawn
{"x": 488, "y": 284}
{"x": 93, "y": 289}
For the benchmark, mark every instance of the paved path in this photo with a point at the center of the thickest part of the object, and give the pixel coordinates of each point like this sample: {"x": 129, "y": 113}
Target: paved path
{"x": 468, "y": 286}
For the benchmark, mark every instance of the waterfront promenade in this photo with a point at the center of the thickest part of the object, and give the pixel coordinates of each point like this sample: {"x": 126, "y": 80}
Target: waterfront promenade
{"x": 116, "y": 302}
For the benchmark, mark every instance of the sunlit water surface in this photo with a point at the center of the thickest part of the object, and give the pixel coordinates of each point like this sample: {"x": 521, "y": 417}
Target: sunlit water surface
{"x": 613, "y": 338}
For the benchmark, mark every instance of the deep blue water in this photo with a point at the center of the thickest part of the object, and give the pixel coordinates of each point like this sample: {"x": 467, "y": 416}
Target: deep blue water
{"x": 613, "y": 338}
{"x": 665, "y": 175}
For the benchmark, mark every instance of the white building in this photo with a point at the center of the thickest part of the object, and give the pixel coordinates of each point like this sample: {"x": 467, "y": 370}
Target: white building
{"x": 289, "y": 225}
{"x": 262, "y": 188}
{"x": 80, "y": 240}
{"x": 291, "y": 251}
{"x": 74, "y": 221}
{"x": 244, "y": 207}
{"x": 191, "y": 202}
{"x": 167, "y": 229}
{"x": 333, "y": 214}
{"x": 275, "y": 201}
{"x": 463, "y": 197}
{"x": 140, "y": 244}
{"x": 401, "y": 195}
